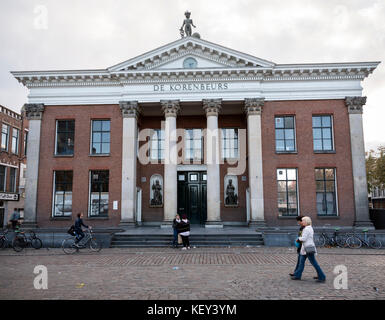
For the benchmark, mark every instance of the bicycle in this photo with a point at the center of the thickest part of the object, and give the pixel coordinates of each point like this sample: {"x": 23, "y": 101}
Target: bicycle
{"x": 22, "y": 241}
{"x": 4, "y": 242}
{"x": 335, "y": 240}
{"x": 69, "y": 247}
{"x": 356, "y": 242}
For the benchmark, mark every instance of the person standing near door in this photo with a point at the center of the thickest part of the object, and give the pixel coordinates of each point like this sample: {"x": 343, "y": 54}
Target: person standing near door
{"x": 184, "y": 230}
{"x": 175, "y": 223}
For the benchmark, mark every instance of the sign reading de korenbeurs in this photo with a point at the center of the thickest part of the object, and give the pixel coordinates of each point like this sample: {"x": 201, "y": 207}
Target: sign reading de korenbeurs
{"x": 191, "y": 87}
{"x": 9, "y": 196}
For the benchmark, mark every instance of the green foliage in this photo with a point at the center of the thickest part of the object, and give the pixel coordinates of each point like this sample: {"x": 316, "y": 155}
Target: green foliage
{"x": 375, "y": 168}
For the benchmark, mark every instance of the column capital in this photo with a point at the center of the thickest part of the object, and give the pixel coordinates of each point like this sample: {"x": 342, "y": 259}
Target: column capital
{"x": 170, "y": 107}
{"x": 33, "y": 111}
{"x": 212, "y": 107}
{"x": 355, "y": 104}
{"x": 254, "y": 106}
{"x": 129, "y": 109}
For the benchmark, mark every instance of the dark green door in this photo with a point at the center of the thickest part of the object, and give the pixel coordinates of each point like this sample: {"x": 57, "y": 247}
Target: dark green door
{"x": 192, "y": 196}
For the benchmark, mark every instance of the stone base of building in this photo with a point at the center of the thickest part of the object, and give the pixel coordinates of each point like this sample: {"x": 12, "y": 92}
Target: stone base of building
{"x": 127, "y": 224}
{"x": 257, "y": 224}
{"x": 213, "y": 224}
{"x": 29, "y": 225}
{"x": 364, "y": 224}
{"x": 166, "y": 224}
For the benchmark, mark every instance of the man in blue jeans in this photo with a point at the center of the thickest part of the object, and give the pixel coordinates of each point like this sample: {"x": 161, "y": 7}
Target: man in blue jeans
{"x": 78, "y": 228}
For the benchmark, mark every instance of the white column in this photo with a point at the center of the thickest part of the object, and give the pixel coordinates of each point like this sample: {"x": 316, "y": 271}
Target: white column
{"x": 170, "y": 110}
{"x": 355, "y": 109}
{"x": 130, "y": 112}
{"x": 253, "y": 108}
{"x": 212, "y": 108}
{"x": 34, "y": 114}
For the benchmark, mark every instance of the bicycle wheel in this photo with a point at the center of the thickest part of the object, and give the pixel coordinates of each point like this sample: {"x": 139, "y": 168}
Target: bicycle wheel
{"x": 36, "y": 243}
{"x": 354, "y": 242}
{"x": 68, "y": 245}
{"x": 319, "y": 240}
{"x": 341, "y": 240}
{"x": 374, "y": 243}
{"x": 95, "y": 246}
{"x": 19, "y": 243}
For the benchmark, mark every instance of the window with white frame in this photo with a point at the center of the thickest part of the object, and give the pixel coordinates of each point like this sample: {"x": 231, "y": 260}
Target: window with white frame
{"x": 15, "y": 140}
{"x": 287, "y": 192}
{"x": 99, "y": 186}
{"x": 3, "y": 175}
{"x": 62, "y": 206}
{"x": 12, "y": 180}
{"x": 326, "y": 191}
{"x": 65, "y": 137}
{"x": 4, "y": 137}
{"x": 193, "y": 144}
{"x": 157, "y": 145}
{"x": 285, "y": 134}
{"x": 101, "y": 136}
{"x": 229, "y": 143}
{"x": 322, "y": 133}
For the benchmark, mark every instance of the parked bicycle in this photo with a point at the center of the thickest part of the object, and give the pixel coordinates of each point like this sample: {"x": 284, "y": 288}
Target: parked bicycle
{"x": 4, "y": 242}
{"x": 355, "y": 241}
{"x": 337, "y": 239}
{"x": 88, "y": 241}
{"x": 22, "y": 240}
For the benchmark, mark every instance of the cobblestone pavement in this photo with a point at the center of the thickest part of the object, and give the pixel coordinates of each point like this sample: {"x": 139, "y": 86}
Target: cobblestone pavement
{"x": 200, "y": 273}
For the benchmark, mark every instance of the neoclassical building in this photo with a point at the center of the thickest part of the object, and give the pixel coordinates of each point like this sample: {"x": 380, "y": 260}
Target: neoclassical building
{"x": 196, "y": 128}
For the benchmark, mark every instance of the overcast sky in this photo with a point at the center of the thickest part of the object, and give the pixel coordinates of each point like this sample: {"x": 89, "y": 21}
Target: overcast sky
{"x": 88, "y": 34}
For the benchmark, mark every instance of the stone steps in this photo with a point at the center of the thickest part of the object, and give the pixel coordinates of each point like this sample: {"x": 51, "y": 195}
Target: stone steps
{"x": 212, "y": 240}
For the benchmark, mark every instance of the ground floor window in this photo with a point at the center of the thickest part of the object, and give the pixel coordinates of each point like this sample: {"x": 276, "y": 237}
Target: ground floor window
{"x": 12, "y": 182}
{"x": 326, "y": 191}
{"x": 287, "y": 192}
{"x": 62, "y": 206}
{"x": 3, "y": 172}
{"x": 99, "y": 184}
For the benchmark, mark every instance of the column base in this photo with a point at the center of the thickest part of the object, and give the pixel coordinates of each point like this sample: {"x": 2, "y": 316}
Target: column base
{"x": 214, "y": 224}
{"x": 259, "y": 224}
{"x": 364, "y": 224}
{"x": 127, "y": 224}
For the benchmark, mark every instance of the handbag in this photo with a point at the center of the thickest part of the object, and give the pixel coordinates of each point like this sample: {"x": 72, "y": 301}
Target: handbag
{"x": 179, "y": 239}
{"x": 310, "y": 250}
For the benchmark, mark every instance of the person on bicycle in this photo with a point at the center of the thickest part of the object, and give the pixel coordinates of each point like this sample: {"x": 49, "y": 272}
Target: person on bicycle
{"x": 15, "y": 217}
{"x": 78, "y": 228}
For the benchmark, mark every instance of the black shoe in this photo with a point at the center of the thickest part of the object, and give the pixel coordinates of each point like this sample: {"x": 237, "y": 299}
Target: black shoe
{"x": 321, "y": 281}
{"x": 291, "y": 274}
{"x": 316, "y": 278}
{"x": 294, "y": 278}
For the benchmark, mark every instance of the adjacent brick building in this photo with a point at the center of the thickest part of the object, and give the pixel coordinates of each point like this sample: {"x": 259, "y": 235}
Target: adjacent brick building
{"x": 104, "y": 142}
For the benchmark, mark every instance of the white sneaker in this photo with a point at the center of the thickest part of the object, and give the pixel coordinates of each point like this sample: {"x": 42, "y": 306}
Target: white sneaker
{"x": 184, "y": 248}
{"x": 188, "y": 248}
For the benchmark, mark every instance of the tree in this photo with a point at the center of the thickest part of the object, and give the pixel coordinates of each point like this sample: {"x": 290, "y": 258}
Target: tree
{"x": 375, "y": 168}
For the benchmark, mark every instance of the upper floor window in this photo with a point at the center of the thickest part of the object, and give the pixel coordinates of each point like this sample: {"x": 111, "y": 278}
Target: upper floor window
{"x": 65, "y": 137}
{"x": 229, "y": 143}
{"x": 322, "y": 133}
{"x": 4, "y": 137}
{"x": 157, "y": 145}
{"x": 285, "y": 134}
{"x": 193, "y": 144}
{"x": 12, "y": 182}
{"x": 100, "y": 137}
{"x": 15, "y": 140}
{"x": 25, "y": 142}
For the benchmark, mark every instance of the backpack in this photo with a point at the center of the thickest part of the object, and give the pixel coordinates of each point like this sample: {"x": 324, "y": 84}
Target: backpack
{"x": 71, "y": 231}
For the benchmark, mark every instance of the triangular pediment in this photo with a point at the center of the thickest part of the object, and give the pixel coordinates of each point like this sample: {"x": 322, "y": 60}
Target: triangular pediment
{"x": 207, "y": 55}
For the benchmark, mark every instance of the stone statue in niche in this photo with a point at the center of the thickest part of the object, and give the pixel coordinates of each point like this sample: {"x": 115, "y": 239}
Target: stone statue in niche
{"x": 231, "y": 196}
{"x": 157, "y": 195}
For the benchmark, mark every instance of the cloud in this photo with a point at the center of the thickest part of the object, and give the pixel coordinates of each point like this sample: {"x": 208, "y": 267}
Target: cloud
{"x": 98, "y": 34}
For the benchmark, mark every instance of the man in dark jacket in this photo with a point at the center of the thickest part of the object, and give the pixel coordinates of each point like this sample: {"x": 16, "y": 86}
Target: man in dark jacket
{"x": 78, "y": 228}
{"x": 299, "y": 221}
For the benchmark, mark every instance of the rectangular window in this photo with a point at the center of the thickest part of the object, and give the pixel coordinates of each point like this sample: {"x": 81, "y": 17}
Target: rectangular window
{"x": 99, "y": 181}
{"x": 12, "y": 182}
{"x": 15, "y": 140}
{"x": 4, "y": 137}
{"x": 3, "y": 174}
{"x": 326, "y": 192}
{"x": 25, "y": 142}
{"x": 322, "y": 133}
{"x": 157, "y": 145}
{"x": 287, "y": 192}
{"x": 229, "y": 143}
{"x": 65, "y": 137}
{"x": 100, "y": 137}
{"x": 285, "y": 134}
{"x": 193, "y": 144}
{"x": 62, "y": 206}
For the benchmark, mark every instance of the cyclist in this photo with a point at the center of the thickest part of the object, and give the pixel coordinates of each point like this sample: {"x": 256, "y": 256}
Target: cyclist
{"x": 78, "y": 228}
{"x": 15, "y": 217}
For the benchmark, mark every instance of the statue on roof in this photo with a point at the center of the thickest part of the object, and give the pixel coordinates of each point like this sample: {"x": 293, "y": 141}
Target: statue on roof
{"x": 187, "y": 23}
